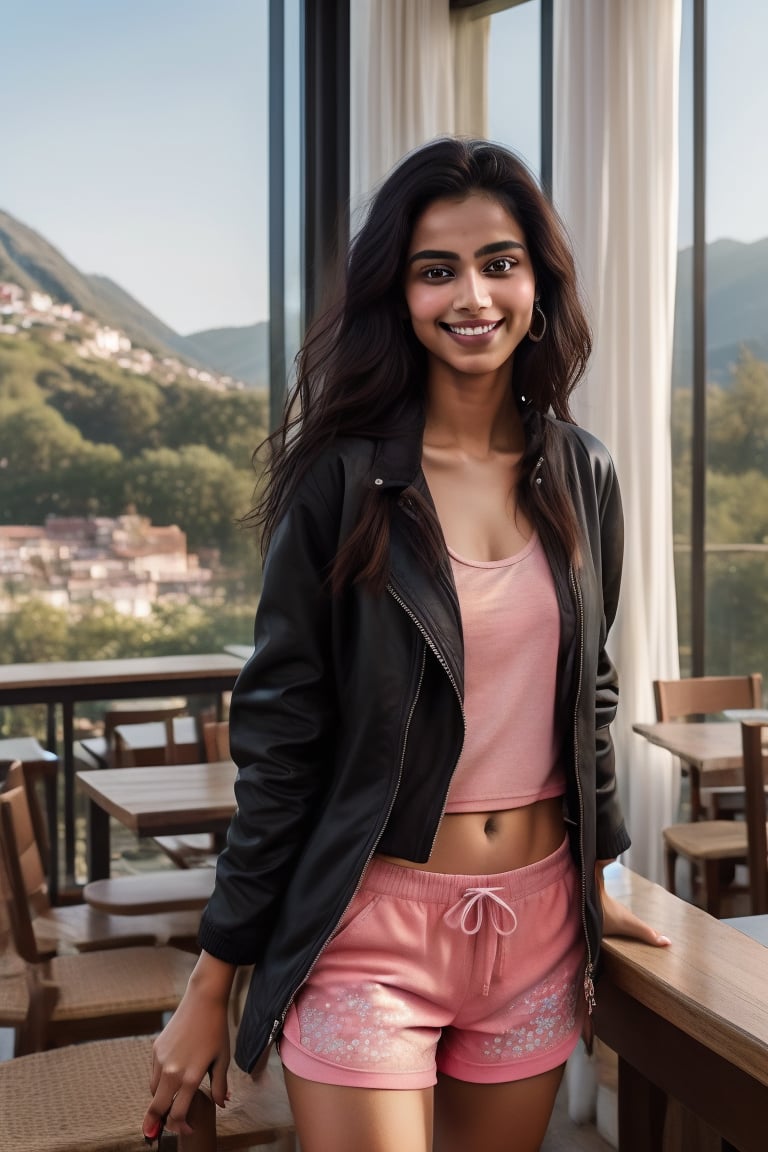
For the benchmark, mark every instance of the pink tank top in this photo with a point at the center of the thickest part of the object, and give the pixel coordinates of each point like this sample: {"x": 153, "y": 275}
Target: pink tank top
{"x": 511, "y": 627}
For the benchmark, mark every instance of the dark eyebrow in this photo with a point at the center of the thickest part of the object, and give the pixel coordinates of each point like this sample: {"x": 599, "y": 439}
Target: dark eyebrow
{"x": 486, "y": 250}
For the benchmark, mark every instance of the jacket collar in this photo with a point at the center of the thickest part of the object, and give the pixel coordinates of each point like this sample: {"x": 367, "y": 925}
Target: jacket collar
{"x": 397, "y": 458}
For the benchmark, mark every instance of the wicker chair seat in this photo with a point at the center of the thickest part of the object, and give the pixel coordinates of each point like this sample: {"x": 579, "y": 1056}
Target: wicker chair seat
{"x": 92, "y": 1097}
{"x": 93, "y": 985}
{"x": 14, "y": 994}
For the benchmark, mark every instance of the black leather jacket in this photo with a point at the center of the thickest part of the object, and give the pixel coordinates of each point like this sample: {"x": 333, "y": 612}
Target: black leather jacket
{"x": 347, "y": 721}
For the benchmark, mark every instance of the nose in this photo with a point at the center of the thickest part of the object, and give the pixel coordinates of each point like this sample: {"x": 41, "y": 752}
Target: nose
{"x": 471, "y": 293}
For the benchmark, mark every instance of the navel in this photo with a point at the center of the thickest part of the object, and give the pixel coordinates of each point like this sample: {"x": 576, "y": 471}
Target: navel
{"x": 491, "y": 826}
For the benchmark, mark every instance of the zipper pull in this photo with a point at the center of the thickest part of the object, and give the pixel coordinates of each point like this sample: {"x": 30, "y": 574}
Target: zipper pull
{"x": 408, "y": 506}
{"x": 589, "y": 988}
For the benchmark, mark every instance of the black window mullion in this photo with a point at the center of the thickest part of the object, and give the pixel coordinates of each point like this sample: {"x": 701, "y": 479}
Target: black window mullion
{"x": 699, "y": 399}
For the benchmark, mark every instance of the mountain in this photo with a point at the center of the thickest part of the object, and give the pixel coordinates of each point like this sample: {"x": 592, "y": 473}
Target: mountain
{"x": 29, "y": 260}
{"x": 242, "y": 353}
{"x": 737, "y": 307}
{"x": 134, "y": 319}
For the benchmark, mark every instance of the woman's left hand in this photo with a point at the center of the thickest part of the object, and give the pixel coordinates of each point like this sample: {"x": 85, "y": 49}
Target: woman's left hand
{"x": 618, "y": 920}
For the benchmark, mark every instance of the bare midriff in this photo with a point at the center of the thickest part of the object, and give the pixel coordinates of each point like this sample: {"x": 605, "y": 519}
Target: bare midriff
{"x": 484, "y": 843}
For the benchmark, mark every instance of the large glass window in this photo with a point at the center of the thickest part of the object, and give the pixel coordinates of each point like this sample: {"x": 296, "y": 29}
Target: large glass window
{"x": 514, "y": 78}
{"x": 133, "y": 323}
{"x": 737, "y": 339}
{"x": 734, "y": 624}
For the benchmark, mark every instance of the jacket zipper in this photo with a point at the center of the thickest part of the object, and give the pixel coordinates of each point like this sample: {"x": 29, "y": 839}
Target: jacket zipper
{"x": 278, "y": 1024}
{"x": 445, "y": 666}
{"x": 589, "y": 984}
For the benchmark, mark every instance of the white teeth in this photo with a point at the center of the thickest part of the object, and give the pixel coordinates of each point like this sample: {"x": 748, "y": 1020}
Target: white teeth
{"x": 482, "y": 330}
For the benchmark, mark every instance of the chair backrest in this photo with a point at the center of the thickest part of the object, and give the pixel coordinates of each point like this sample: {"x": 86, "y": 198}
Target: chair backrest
{"x": 24, "y": 873}
{"x": 10, "y": 773}
{"x": 124, "y": 755}
{"x": 755, "y": 780}
{"x": 702, "y": 695}
{"x": 116, "y": 718}
{"x": 216, "y": 740}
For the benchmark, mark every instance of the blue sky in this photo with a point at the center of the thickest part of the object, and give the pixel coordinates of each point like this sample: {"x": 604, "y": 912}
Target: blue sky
{"x": 135, "y": 138}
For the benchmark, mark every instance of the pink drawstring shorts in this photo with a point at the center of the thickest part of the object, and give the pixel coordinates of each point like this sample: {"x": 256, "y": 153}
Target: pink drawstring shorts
{"x": 477, "y": 977}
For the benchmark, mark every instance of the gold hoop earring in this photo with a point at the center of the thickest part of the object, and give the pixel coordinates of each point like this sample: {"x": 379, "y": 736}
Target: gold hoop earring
{"x": 536, "y": 337}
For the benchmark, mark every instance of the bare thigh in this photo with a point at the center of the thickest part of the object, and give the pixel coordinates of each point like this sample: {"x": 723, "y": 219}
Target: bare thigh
{"x": 494, "y": 1117}
{"x": 331, "y": 1118}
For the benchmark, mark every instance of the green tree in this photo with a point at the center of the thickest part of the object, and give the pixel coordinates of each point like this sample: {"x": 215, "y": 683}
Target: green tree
{"x": 109, "y": 407}
{"x": 737, "y": 419}
{"x": 196, "y": 489}
{"x": 231, "y": 424}
{"x": 35, "y": 631}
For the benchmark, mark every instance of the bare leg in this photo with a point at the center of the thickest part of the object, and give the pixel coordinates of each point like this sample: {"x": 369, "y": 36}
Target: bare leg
{"x": 330, "y": 1118}
{"x": 494, "y": 1117}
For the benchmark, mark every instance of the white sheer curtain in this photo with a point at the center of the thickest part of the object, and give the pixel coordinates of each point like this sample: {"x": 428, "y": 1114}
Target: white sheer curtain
{"x": 418, "y": 71}
{"x": 615, "y": 184}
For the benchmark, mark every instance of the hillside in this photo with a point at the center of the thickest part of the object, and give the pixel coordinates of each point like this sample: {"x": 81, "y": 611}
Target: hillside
{"x": 242, "y": 353}
{"x": 32, "y": 262}
{"x": 737, "y": 307}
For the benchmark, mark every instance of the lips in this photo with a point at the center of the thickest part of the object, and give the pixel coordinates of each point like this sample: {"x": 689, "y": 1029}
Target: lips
{"x": 472, "y": 329}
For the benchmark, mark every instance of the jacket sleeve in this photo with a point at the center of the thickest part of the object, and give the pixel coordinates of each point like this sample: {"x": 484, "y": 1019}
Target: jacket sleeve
{"x": 281, "y": 721}
{"x": 612, "y": 837}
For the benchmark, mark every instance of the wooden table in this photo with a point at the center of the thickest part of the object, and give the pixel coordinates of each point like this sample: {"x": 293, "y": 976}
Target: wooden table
{"x": 159, "y": 801}
{"x": 175, "y": 890}
{"x": 67, "y": 683}
{"x": 242, "y": 651}
{"x": 689, "y": 1021}
{"x": 712, "y": 747}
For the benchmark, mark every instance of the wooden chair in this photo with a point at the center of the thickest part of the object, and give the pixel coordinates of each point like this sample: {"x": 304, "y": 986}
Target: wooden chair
{"x": 701, "y": 696}
{"x": 90, "y": 995}
{"x": 216, "y": 740}
{"x": 101, "y": 751}
{"x": 92, "y": 1098}
{"x": 755, "y": 778}
{"x": 40, "y": 767}
{"x": 75, "y": 927}
{"x": 712, "y": 843}
{"x": 198, "y": 849}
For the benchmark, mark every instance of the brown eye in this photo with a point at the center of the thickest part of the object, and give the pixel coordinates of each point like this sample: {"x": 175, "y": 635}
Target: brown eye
{"x": 501, "y": 264}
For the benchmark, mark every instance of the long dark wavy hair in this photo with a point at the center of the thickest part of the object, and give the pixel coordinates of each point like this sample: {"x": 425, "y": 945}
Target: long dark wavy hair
{"x": 362, "y": 372}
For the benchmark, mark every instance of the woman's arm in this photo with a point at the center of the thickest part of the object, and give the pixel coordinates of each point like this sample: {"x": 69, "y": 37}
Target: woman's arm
{"x": 195, "y": 1042}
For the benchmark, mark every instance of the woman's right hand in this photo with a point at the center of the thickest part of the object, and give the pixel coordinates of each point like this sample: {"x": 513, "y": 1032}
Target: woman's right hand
{"x": 194, "y": 1042}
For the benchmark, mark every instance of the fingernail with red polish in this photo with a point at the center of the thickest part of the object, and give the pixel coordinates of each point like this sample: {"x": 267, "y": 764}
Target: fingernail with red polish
{"x": 153, "y": 1133}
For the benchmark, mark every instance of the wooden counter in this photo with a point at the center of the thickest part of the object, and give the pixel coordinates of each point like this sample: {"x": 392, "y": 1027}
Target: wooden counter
{"x": 689, "y": 1021}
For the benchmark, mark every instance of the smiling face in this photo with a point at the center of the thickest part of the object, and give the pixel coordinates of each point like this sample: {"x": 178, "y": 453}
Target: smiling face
{"x": 469, "y": 285}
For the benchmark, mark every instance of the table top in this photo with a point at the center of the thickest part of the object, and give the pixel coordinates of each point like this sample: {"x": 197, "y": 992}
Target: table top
{"x": 242, "y": 651}
{"x": 176, "y": 890}
{"x": 166, "y": 798}
{"x": 710, "y": 982}
{"x": 709, "y": 746}
{"x": 69, "y": 673}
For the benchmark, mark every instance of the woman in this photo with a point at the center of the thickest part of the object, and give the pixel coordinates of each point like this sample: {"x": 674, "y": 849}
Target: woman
{"x": 426, "y": 790}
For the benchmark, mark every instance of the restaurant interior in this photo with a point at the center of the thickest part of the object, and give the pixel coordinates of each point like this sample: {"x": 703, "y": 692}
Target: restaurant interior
{"x": 109, "y": 840}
